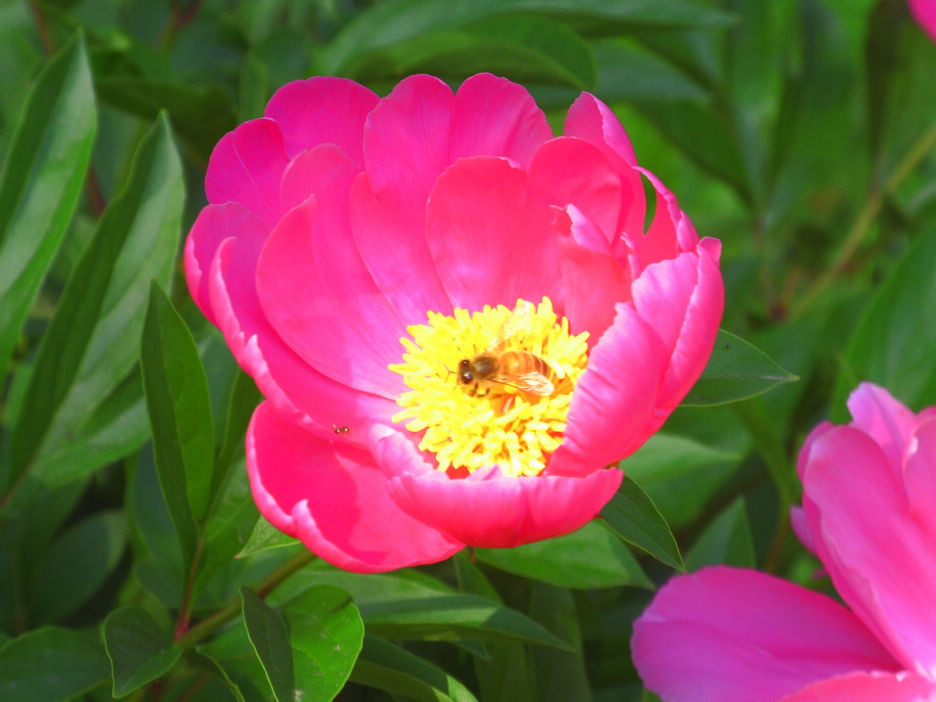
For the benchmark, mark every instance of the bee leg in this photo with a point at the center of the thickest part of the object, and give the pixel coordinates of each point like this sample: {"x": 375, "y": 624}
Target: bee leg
{"x": 507, "y": 403}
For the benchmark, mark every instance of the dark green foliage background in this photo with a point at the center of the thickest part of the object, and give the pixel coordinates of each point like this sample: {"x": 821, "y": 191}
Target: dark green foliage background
{"x": 133, "y": 562}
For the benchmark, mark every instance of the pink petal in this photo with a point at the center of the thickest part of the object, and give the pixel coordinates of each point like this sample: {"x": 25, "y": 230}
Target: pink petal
{"x": 682, "y": 300}
{"x": 390, "y": 234}
{"x": 661, "y": 241}
{"x": 333, "y": 498}
{"x": 214, "y": 224}
{"x": 317, "y": 294}
{"x": 925, "y": 13}
{"x": 883, "y": 418}
{"x": 879, "y": 556}
{"x": 868, "y": 687}
{"x": 592, "y": 120}
{"x": 740, "y": 635}
{"x": 295, "y": 389}
{"x": 572, "y": 171}
{"x": 322, "y": 110}
{"x": 612, "y": 410}
{"x": 920, "y": 475}
{"x": 801, "y": 528}
{"x": 495, "y": 117}
{"x": 488, "y": 509}
{"x": 246, "y": 167}
{"x": 802, "y": 460}
{"x": 406, "y": 138}
{"x": 490, "y": 244}
{"x": 593, "y": 283}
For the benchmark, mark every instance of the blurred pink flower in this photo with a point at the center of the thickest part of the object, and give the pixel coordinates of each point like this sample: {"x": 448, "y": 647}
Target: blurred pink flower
{"x": 925, "y": 13}
{"x": 341, "y": 223}
{"x": 869, "y": 514}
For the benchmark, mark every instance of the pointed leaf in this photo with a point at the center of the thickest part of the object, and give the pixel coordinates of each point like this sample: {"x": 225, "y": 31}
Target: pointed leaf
{"x": 590, "y": 557}
{"x": 270, "y": 639}
{"x": 83, "y": 354}
{"x": 726, "y": 541}
{"x": 264, "y": 537}
{"x": 632, "y": 515}
{"x": 180, "y": 416}
{"x": 388, "y": 667}
{"x": 40, "y": 182}
{"x": 736, "y": 371}
{"x": 139, "y": 649}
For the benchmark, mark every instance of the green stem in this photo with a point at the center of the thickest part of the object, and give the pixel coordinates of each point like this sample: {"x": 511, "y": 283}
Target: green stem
{"x": 866, "y": 217}
{"x": 213, "y": 622}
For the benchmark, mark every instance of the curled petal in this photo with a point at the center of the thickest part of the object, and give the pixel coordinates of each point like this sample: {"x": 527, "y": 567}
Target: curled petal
{"x": 334, "y": 499}
{"x": 920, "y": 474}
{"x": 317, "y": 294}
{"x": 879, "y": 556}
{"x": 291, "y": 385}
{"x": 739, "y": 635}
{"x": 322, "y": 110}
{"x": 246, "y": 167}
{"x": 614, "y": 399}
{"x": 486, "y": 508}
{"x": 868, "y": 687}
{"x": 682, "y": 300}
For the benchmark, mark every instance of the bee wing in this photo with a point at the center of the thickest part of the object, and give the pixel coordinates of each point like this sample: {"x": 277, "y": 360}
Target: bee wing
{"x": 533, "y": 383}
{"x": 512, "y": 325}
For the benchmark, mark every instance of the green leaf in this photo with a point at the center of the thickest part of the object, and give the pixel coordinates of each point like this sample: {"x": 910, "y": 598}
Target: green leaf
{"x": 51, "y": 664}
{"x": 736, "y": 371}
{"x": 232, "y": 520}
{"x": 588, "y": 558}
{"x": 270, "y": 640}
{"x": 411, "y": 605}
{"x": 726, "y": 541}
{"x": 83, "y": 354}
{"x": 326, "y": 633}
{"x": 264, "y": 537}
{"x": 627, "y": 71}
{"x": 632, "y": 515}
{"x": 180, "y": 416}
{"x": 559, "y": 676}
{"x": 681, "y": 474}
{"x": 242, "y": 402}
{"x": 139, "y": 649}
{"x": 40, "y": 182}
{"x": 893, "y": 343}
{"x": 388, "y": 667}
{"x": 76, "y": 565}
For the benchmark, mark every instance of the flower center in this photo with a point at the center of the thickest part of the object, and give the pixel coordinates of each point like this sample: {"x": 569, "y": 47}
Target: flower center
{"x": 491, "y": 387}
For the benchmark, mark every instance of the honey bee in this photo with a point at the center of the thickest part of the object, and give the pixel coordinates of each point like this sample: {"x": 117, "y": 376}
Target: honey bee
{"x": 514, "y": 368}
{"x": 340, "y": 430}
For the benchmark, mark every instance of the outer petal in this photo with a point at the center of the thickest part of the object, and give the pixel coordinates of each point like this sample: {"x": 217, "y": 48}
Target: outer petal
{"x": 592, "y": 120}
{"x": 880, "y": 557}
{"x": 682, "y": 300}
{"x": 295, "y": 389}
{"x": 334, "y": 499}
{"x": 728, "y": 634}
{"x": 490, "y": 243}
{"x": 925, "y": 13}
{"x": 613, "y": 403}
{"x": 920, "y": 475}
{"x": 495, "y": 117}
{"x": 214, "y": 224}
{"x": 246, "y": 167}
{"x": 884, "y": 419}
{"x": 322, "y": 110}
{"x": 317, "y": 294}
{"x": 868, "y": 687}
{"x": 488, "y": 509}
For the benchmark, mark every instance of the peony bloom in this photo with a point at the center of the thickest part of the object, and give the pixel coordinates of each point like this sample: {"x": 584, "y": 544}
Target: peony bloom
{"x": 869, "y": 514}
{"x": 457, "y": 320}
{"x": 924, "y": 11}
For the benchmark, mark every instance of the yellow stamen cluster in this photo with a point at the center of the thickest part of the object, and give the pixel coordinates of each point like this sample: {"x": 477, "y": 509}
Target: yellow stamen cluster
{"x": 470, "y": 426}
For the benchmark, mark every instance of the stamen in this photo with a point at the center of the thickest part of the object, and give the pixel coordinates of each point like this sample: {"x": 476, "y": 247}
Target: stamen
{"x": 510, "y": 409}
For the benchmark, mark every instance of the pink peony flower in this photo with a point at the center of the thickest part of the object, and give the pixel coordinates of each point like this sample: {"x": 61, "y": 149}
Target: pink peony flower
{"x": 457, "y": 320}
{"x": 924, "y": 11}
{"x": 869, "y": 514}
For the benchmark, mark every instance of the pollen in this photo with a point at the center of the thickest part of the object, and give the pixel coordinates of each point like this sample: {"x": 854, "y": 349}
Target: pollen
{"x": 492, "y": 387}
